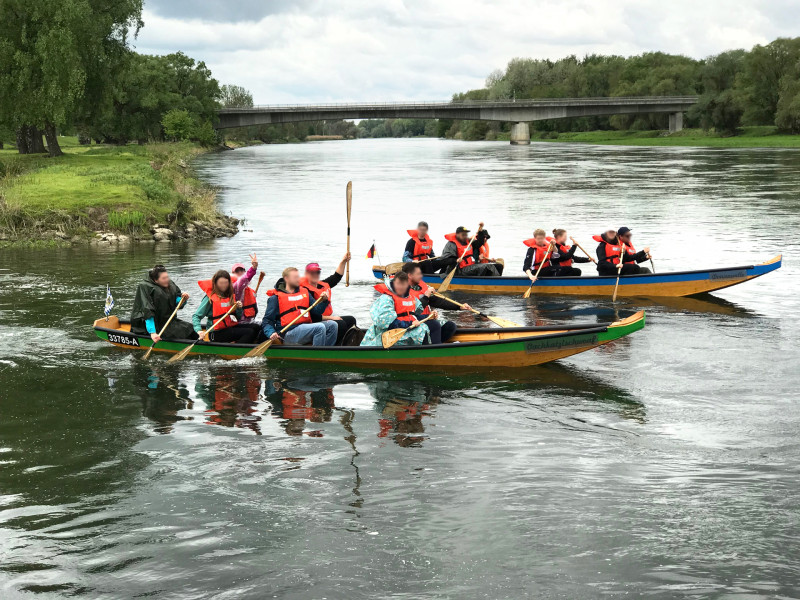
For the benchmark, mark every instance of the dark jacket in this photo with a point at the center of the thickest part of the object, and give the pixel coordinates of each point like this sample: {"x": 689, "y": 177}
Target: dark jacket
{"x": 557, "y": 257}
{"x": 408, "y": 253}
{"x": 155, "y": 302}
{"x": 639, "y": 257}
{"x": 271, "y": 321}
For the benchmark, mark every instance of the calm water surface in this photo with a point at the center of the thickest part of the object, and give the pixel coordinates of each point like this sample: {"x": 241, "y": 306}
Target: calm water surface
{"x": 664, "y": 465}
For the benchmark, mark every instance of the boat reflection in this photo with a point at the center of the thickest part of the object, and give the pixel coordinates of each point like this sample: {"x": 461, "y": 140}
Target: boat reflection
{"x": 232, "y": 399}
{"x": 402, "y": 409}
{"x": 298, "y": 402}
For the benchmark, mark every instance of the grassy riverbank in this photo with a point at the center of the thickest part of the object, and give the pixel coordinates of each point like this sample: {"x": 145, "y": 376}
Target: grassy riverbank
{"x": 125, "y": 191}
{"x": 748, "y": 137}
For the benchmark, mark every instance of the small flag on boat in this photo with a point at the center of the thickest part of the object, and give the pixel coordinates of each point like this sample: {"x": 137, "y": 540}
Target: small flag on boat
{"x": 371, "y": 251}
{"x": 109, "y": 302}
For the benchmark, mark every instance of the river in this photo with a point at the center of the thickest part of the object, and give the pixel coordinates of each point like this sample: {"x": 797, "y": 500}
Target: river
{"x": 666, "y": 464}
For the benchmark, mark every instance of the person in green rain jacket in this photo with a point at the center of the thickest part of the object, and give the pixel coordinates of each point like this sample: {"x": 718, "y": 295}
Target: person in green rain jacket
{"x": 155, "y": 301}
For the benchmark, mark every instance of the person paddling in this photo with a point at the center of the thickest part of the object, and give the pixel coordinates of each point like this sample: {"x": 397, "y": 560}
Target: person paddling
{"x": 218, "y": 300}
{"x": 311, "y": 280}
{"x": 612, "y": 248}
{"x": 153, "y": 305}
{"x": 562, "y": 256}
{"x": 420, "y": 248}
{"x": 242, "y": 290}
{"x": 397, "y": 308}
{"x": 537, "y": 258}
{"x": 458, "y": 245}
{"x": 441, "y": 331}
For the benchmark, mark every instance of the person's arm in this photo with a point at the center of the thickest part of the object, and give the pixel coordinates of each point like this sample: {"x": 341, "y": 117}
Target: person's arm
{"x": 333, "y": 279}
{"x": 383, "y": 313}
{"x": 409, "y": 251}
{"x": 269, "y": 323}
{"x": 201, "y": 313}
{"x": 243, "y": 282}
{"x": 640, "y": 256}
{"x": 526, "y": 266}
{"x": 450, "y": 250}
{"x": 150, "y": 325}
{"x": 601, "y": 253}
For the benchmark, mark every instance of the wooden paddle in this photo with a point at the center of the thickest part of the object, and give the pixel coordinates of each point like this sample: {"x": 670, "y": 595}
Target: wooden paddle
{"x": 651, "y": 263}
{"x": 264, "y": 346}
{"x": 496, "y": 320}
{"x": 449, "y": 278}
{"x": 349, "y": 209}
{"x": 260, "y": 279}
{"x": 619, "y": 267}
{"x": 164, "y": 328}
{"x": 589, "y": 256}
{"x": 391, "y": 337}
{"x": 527, "y": 293}
{"x": 182, "y": 354}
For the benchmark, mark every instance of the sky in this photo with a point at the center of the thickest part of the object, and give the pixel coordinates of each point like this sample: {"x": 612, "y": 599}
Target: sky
{"x": 305, "y": 51}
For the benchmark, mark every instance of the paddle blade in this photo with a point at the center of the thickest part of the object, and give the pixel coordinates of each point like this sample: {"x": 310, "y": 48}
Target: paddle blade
{"x": 502, "y": 322}
{"x": 349, "y": 200}
{"x": 393, "y": 268}
{"x": 259, "y": 350}
{"x": 446, "y": 282}
{"x": 147, "y": 354}
{"x": 391, "y": 337}
{"x": 527, "y": 293}
{"x": 182, "y": 354}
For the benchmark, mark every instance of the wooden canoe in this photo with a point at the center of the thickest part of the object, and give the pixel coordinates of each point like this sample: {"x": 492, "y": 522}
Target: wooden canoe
{"x": 477, "y": 348}
{"x": 654, "y": 285}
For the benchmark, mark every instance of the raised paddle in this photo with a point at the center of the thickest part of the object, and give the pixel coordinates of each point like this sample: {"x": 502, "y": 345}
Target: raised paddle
{"x": 182, "y": 354}
{"x": 164, "y": 328}
{"x": 391, "y": 337}
{"x": 589, "y": 256}
{"x": 264, "y": 346}
{"x": 496, "y": 320}
{"x": 260, "y": 279}
{"x": 527, "y": 293}
{"x": 449, "y": 278}
{"x": 349, "y": 208}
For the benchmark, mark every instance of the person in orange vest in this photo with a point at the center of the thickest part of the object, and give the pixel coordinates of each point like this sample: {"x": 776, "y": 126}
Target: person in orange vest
{"x": 287, "y": 301}
{"x": 242, "y": 290}
{"x": 614, "y": 246}
{"x": 469, "y": 265}
{"x": 420, "y": 248}
{"x": 538, "y": 256}
{"x": 562, "y": 257}
{"x": 397, "y": 308}
{"x": 217, "y": 301}
{"x": 311, "y": 280}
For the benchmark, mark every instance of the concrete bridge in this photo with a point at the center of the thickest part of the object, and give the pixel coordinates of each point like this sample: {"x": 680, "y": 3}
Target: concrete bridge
{"x": 518, "y": 112}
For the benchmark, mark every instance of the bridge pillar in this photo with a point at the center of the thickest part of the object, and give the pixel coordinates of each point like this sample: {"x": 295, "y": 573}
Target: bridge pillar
{"x": 521, "y": 134}
{"x": 675, "y": 122}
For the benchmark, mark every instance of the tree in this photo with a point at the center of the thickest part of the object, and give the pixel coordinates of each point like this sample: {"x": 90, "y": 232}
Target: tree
{"x": 178, "y": 124}
{"x": 761, "y": 79}
{"x": 235, "y": 96}
{"x": 719, "y": 106}
{"x": 51, "y": 52}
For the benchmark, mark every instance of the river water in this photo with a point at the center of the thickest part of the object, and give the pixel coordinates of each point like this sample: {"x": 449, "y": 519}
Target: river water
{"x": 666, "y": 464}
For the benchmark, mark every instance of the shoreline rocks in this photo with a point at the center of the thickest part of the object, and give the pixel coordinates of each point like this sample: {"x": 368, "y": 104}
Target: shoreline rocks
{"x": 222, "y": 226}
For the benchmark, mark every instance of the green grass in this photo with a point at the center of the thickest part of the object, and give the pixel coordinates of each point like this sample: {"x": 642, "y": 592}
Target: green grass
{"x": 101, "y": 187}
{"x": 747, "y": 137}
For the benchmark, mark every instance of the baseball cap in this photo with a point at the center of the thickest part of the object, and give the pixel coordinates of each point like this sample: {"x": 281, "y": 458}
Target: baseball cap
{"x": 623, "y": 231}
{"x": 462, "y": 229}
{"x": 313, "y": 268}
{"x": 237, "y": 266}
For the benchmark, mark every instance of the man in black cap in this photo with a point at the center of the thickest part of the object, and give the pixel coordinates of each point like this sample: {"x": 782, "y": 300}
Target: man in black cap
{"x": 615, "y": 246}
{"x": 458, "y": 244}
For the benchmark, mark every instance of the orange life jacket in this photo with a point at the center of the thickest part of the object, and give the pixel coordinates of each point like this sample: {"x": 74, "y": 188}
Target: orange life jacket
{"x": 404, "y": 307}
{"x": 249, "y": 302}
{"x": 540, "y": 252}
{"x": 422, "y": 250}
{"x": 420, "y": 294}
{"x": 562, "y": 249}
{"x": 468, "y": 259}
{"x": 316, "y": 289}
{"x": 613, "y": 251}
{"x": 630, "y": 250}
{"x": 291, "y": 305}
{"x": 484, "y": 253}
{"x": 219, "y": 306}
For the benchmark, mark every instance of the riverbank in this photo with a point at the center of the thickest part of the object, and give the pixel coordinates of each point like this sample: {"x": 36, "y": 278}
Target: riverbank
{"x": 107, "y": 194}
{"x": 748, "y": 137}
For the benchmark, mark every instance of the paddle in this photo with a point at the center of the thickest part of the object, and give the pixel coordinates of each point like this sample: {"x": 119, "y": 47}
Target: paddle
{"x": 496, "y": 320}
{"x": 589, "y": 256}
{"x": 264, "y": 346}
{"x": 527, "y": 293}
{"x": 164, "y": 328}
{"x": 651, "y": 263}
{"x": 260, "y": 279}
{"x": 619, "y": 267}
{"x": 182, "y": 354}
{"x": 449, "y": 278}
{"x": 390, "y": 338}
{"x": 349, "y": 208}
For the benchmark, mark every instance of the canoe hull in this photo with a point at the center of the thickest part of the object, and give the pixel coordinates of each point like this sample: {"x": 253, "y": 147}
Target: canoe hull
{"x": 520, "y": 347}
{"x": 684, "y": 283}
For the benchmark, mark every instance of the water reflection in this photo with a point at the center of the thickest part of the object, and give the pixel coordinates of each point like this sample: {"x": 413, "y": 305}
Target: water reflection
{"x": 297, "y": 403}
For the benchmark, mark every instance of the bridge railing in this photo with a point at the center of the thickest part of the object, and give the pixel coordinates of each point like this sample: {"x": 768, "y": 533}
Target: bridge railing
{"x": 688, "y": 100}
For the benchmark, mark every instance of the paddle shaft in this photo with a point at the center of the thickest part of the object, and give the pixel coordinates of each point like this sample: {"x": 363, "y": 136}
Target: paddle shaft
{"x": 301, "y": 315}
{"x": 589, "y": 256}
{"x": 182, "y": 353}
{"x": 459, "y": 305}
{"x": 164, "y": 328}
{"x": 349, "y": 209}
{"x": 539, "y": 270}
{"x": 260, "y": 279}
{"x": 449, "y": 278}
{"x": 399, "y": 333}
{"x": 619, "y": 268}
{"x": 261, "y": 348}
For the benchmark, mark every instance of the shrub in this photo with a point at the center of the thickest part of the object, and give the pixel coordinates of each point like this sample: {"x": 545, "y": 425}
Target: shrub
{"x": 126, "y": 220}
{"x": 178, "y": 125}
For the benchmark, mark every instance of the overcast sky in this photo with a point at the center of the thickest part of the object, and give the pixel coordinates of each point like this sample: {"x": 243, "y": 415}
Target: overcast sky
{"x": 361, "y": 50}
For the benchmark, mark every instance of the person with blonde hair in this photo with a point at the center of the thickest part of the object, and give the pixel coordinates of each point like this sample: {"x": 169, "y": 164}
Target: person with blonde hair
{"x": 562, "y": 256}
{"x": 537, "y": 259}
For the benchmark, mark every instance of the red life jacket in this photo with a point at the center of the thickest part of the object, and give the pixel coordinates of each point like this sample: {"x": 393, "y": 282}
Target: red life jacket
{"x": 540, "y": 252}
{"x": 249, "y": 302}
{"x": 219, "y": 306}
{"x": 630, "y": 250}
{"x": 484, "y": 253}
{"x": 404, "y": 307}
{"x": 468, "y": 259}
{"x": 613, "y": 251}
{"x": 562, "y": 249}
{"x": 419, "y": 294}
{"x": 291, "y": 305}
{"x": 422, "y": 250}
{"x": 316, "y": 289}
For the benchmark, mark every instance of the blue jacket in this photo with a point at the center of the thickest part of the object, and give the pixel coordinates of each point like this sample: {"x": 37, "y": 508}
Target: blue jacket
{"x": 271, "y": 321}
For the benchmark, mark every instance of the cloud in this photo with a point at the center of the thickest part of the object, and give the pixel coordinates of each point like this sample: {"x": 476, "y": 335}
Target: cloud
{"x": 322, "y": 51}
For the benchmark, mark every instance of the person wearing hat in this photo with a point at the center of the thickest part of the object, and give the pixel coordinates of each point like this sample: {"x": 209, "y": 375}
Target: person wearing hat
{"x": 615, "y": 246}
{"x": 311, "y": 281}
{"x": 242, "y": 290}
{"x": 455, "y": 247}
